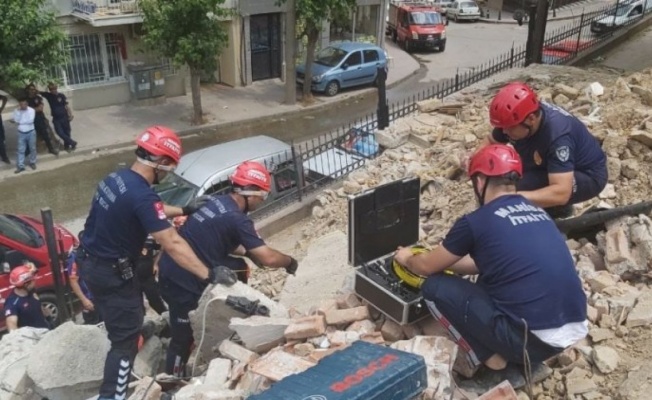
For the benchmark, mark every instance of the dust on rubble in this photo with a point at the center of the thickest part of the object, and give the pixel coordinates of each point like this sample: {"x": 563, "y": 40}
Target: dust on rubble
{"x": 432, "y": 144}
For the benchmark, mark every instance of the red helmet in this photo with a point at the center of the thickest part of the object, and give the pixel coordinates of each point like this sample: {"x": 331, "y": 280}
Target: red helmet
{"x": 22, "y": 275}
{"x": 252, "y": 173}
{"x": 160, "y": 141}
{"x": 512, "y": 105}
{"x": 495, "y": 160}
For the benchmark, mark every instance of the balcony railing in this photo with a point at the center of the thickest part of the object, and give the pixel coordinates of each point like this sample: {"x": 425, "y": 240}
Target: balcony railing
{"x": 100, "y": 12}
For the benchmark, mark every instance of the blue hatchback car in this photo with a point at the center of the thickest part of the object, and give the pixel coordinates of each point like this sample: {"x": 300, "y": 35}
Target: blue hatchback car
{"x": 344, "y": 65}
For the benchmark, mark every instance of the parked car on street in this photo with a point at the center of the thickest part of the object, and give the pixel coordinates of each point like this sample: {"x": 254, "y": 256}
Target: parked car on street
{"x": 344, "y": 65}
{"x": 207, "y": 171}
{"x": 441, "y": 5}
{"x": 463, "y": 10}
{"x": 22, "y": 239}
{"x": 416, "y": 25}
{"x": 626, "y": 11}
{"x": 350, "y": 152}
{"x": 562, "y": 50}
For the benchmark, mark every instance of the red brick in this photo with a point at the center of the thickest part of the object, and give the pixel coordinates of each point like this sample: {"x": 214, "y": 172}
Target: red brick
{"x": 318, "y": 354}
{"x": 344, "y": 317}
{"x": 348, "y": 301}
{"x": 392, "y": 331}
{"x": 374, "y": 337}
{"x": 306, "y": 327}
{"x": 503, "y": 391}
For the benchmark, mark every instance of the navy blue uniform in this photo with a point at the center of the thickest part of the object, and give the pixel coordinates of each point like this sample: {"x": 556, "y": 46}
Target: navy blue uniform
{"x": 124, "y": 210}
{"x": 526, "y": 273}
{"x": 27, "y": 309}
{"x": 562, "y": 144}
{"x": 3, "y": 148}
{"x": 40, "y": 122}
{"x": 58, "y": 103}
{"x": 213, "y": 232}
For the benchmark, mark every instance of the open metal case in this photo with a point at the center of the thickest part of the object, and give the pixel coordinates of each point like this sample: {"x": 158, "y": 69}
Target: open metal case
{"x": 380, "y": 220}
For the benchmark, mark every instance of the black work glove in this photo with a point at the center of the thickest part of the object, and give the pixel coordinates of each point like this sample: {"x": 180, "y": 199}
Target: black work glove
{"x": 292, "y": 267}
{"x": 221, "y": 276}
{"x": 195, "y": 204}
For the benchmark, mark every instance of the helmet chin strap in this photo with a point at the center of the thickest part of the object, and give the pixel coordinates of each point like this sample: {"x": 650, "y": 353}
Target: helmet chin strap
{"x": 478, "y": 195}
{"x": 157, "y": 167}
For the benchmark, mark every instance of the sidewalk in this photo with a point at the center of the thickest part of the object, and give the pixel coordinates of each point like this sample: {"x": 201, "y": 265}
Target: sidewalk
{"x": 567, "y": 12}
{"x": 109, "y": 127}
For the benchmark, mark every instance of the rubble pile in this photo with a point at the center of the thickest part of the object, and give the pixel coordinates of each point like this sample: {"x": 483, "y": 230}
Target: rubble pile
{"x": 434, "y": 143}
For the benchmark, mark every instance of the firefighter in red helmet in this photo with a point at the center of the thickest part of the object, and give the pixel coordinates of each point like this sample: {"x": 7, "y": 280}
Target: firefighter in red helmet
{"x": 563, "y": 163}
{"x": 23, "y": 307}
{"x": 528, "y": 302}
{"x": 124, "y": 210}
{"x": 216, "y": 232}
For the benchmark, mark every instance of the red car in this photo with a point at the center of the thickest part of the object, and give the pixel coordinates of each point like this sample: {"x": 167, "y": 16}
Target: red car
{"x": 22, "y": 239}
{"x": 562, "y": 50}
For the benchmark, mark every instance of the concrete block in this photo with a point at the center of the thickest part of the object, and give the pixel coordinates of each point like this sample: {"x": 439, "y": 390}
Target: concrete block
{"x": 362, "y": 327}
{"x": 580, "y": 385}
{"x": 61, "y": 374}
{"x": 340, "y": 338}
{"x": 218, "y": 315}
{"x": 306, "y": 327}
{"x": 601, "y": 280}
{"x": 641, "y": 314}
{"x": 278, "y": 364}
{"x": 605, "y": 358}
{"x": 392, "y": 331}
{"x": 146, "y": 390}
{"x": 257, "y": 331}
{"x": 219, "y": 371}
{"x": 346, "y": 316}
{"x": 251, "y": 383}
{"x": 303, "y": 349}
{"x": 204, "y": 392}
{"x": 15, "y": 347}
{"x": 601, "y": 334}
{"x": 235, "y": 352}
{"x": 503, "y": 391}
{"x": 149, "y": 357}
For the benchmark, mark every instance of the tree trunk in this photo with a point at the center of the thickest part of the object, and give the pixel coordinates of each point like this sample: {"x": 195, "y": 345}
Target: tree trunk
{"x": 313, "y": 37}
{"x": 195, "y": 88}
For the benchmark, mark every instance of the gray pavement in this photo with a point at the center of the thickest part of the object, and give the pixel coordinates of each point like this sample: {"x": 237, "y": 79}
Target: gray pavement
{"x": 567, "y": 12}
{"x": 114, "y": 126}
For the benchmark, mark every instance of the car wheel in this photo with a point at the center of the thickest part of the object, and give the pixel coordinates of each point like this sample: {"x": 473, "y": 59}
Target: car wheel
{"x": 49, "y": 302}
{"x": 332, "y": 88}
{"x": 442, "y": 47}
{"x": 394, "y": 37}
{"x": 407, "y": 46}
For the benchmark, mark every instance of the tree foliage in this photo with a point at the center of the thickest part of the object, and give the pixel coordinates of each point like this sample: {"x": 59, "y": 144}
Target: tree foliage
{"x": 189, "y": 33}
{"x": 311, "y": 15}
{"x": 31, "y": 42}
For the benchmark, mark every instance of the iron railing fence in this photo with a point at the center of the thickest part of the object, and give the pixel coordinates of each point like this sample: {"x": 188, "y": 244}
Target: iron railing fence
{"x": 561, "y": 46}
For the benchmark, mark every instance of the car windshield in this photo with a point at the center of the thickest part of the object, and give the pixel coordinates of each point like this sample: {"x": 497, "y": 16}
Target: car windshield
{"x": 468, "y": 4}
{"x": 330, "y": 56}
{"x": 620, "y": 11}
{"x": 425, "y": 18}
{"x": 19, "y": 231}
{"x": 175, "y": 190}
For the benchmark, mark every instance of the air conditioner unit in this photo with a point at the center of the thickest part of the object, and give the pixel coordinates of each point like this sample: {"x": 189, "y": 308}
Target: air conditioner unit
{"x": 136, "y": 31}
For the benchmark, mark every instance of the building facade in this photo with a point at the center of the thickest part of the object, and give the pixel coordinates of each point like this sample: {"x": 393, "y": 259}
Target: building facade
{"x": 104, "y": 44}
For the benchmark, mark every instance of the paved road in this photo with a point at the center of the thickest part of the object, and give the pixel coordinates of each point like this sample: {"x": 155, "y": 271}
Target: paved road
{"x": 633, "y": 55}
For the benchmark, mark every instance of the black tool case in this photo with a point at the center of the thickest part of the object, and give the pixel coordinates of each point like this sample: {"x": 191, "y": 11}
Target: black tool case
{"x": 380, "y": 220}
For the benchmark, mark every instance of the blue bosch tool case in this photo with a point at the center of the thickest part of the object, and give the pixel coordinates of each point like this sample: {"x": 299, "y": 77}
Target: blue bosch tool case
{"x": 362, "y": 371}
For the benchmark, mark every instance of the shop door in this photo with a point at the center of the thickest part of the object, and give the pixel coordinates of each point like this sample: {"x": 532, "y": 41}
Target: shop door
{"x": 265, "y": 46}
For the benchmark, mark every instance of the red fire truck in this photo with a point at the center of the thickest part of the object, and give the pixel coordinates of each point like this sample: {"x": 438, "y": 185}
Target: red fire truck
{"x": 416, "y": 25}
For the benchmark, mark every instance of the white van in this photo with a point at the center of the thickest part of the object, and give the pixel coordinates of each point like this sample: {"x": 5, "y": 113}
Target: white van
{"x": 207, "y": 171}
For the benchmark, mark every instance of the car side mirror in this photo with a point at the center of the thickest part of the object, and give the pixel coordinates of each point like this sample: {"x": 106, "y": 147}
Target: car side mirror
{"x": 345, "y": 66}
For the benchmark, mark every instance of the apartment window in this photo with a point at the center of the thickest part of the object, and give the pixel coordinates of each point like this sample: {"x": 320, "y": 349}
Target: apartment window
{"x": 93, "y": 58}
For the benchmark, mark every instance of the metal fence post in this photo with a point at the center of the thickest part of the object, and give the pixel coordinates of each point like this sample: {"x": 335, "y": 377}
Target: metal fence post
{"x": 457, "y": 79}
{"x": 579, "y": 33}
{"x": 511, "y": 57}
{"x": 55, "y": 262}
{"x": 615, "y": 12}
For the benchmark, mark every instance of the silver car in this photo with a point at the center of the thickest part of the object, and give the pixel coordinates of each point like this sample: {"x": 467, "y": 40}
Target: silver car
{"x": 463, "y": 10}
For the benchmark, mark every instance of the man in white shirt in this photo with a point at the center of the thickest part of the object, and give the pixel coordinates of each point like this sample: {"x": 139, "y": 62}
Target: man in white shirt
{"x": 24, "y": 118}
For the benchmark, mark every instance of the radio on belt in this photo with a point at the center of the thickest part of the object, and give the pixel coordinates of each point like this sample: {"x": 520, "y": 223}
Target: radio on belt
{"x": 380, "y": 220}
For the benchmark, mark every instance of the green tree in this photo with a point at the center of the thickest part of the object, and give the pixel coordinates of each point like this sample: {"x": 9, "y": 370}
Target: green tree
{"x": 311, "y": 15}
{"x": 188, "y": 32}
{"x": 31, "y": 42}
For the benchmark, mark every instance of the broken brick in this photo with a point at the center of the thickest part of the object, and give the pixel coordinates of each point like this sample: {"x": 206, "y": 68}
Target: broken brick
{"x": 503, "y": 391}
{"x": 279, "y": 364}
{"x": 373, "y": 337}
{"x": 306, "y": 327}
{"x": 346, "y": 316}
{"x": 236, "y": 352}
{"x": 392, "y": 331}
{"x": 349, "y": 300}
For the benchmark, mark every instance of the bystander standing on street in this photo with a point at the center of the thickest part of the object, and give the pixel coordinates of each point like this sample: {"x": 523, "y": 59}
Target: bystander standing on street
{"x": 40, "y": 121}
{"x": 61, "y": 115}
{"x": 3, "y": 149}
{"x": 24, "y": 117}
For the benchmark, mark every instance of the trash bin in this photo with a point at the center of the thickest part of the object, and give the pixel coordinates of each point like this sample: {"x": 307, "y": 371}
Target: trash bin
{"x": 157, "y": 80}
{"x": 140, "y": 84}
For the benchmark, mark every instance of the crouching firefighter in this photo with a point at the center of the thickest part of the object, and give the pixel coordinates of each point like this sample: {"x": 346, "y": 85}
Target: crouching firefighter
{"x": 528, "y": 304}
{"x": 123, "y": 212}
{"x": 215, "y": 232}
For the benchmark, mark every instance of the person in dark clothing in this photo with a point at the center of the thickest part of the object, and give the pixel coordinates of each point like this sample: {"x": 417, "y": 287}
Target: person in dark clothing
{"x": 528, "y": 304}
{"x": 40, "y": 121}
{"x": 146, "y": 275}
{"x": 23, "y": 307}
{"x": 3, "y": 149}
{"x": 61, "y": 115}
